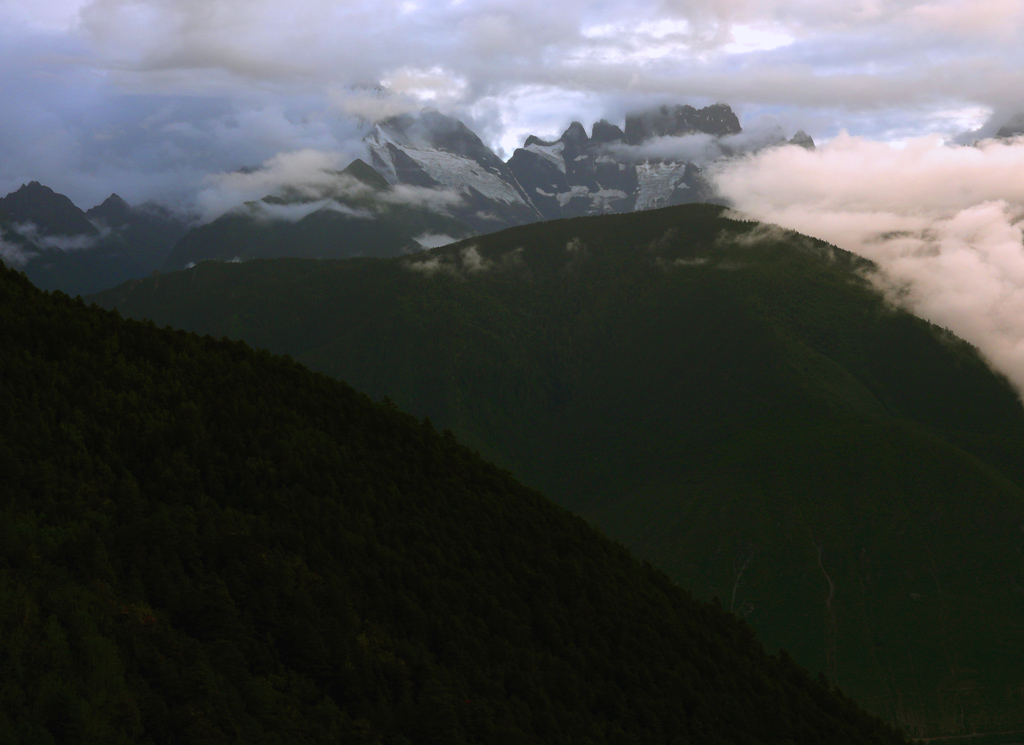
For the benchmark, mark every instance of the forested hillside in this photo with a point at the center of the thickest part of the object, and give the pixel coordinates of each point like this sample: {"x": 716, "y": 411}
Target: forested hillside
{"x": 204, "y": 543}
{"x": 737, "y": 403}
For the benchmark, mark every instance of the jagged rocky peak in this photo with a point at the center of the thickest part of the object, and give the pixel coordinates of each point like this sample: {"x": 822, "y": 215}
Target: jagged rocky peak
{"x": 112, "y": 211}
{"x": 604, "y": 132}
{"x": 575, "y": 133}
{"x": 673, "y": 121}
{"x": 115, "y": 202}
{"x": 1013, "y": 128}
{"x": 431, "y": 130}
{"x": 50, "y": 212}
{"x": 362, "y": 171}
{"x": 429, "y": 149}
{"x": 802, "y": 139}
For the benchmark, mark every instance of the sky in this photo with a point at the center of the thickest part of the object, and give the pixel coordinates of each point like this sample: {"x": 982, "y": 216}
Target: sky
{"x": 151, "y": 98}
{"x": 169, "y": 99}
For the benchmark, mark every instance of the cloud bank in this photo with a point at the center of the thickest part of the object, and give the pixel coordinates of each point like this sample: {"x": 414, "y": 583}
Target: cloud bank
{"x": 311, "y": 180}
{"x": 945, "y": 224}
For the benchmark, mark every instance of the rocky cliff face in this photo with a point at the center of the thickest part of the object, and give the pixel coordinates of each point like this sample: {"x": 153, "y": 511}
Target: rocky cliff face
{"x": 580, "y": 175}
{"x": 718, "y": 120}
{"x": 611, "y": 170}
{"x": 431, "y": 150}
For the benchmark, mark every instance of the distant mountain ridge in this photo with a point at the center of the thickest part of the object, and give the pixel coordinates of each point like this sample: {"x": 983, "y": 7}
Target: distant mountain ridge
{"x": 60, "y": 246}
{"x": 717, "y": 119}
{"x": 572, "y": 176}
{"x": 577, "y": 174}
{"x": 361, "y": 214}
{"x": 432, "y": 150}
{"x": 53, "y": 214}
{"x": 430, "y": 180}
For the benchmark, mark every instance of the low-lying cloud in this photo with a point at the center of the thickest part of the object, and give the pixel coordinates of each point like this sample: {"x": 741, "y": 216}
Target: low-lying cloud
{"x": 434, "y": 240}
{"x": 14, "y": 255}
{"x": 30, "y": 232}
{"x": 701, "y": 148}
{"x": 312, "y": 180}
{"x": 464, "y": 263}
{"x": 272, "y": 212}
{"x": 945, "y": 224}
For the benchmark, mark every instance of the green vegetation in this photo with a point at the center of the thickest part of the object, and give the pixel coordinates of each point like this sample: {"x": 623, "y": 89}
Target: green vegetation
{"x": 735, "y": 403}
{"x": 202, "y": 543}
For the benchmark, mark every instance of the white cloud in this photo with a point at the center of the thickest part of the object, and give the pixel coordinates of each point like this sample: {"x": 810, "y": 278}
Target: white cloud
{"x": 311, "y": 180}
{"x": 437, "y": 200}
{"x": 14, "y": 255}
{"x": 310, "y": 172}
{"x": 434, "y": 240}
{"x": 703, "y": 148}
{"x": 30, "y": 232}
{"x": 945, "y": 224}
{"x": 295, "y": 212}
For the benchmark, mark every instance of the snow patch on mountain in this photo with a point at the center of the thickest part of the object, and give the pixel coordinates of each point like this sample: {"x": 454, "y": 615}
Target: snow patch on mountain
{"x": 656, "y": 182}
{"x": 550, "y": 153}
{"x": 458, "y": 172}
{"x": 575, "y": 191}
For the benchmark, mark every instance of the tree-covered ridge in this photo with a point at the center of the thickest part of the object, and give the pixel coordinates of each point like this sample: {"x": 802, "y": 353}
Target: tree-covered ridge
{"x": 735, "y": 402}
{"x": 204, "y": 543}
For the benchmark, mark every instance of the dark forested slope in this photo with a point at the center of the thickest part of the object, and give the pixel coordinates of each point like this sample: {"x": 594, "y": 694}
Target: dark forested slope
{"x": 203, "y": 543}
{"x": 735, "y": 402}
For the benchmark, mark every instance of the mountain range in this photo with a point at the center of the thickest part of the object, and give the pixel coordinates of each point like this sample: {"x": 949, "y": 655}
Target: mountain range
{"x": 735, "y": 402}
{"x": 606, "y": 172}
{"x": 60, "y": 246}
{"x": 430, "y": 181}
{"x": 202, "y": 543}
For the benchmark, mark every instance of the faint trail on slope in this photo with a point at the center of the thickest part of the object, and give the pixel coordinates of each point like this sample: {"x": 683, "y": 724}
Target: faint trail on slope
{"x": 831, "y": 656}
{"x": 739, "y": 574}
{"x": 947, "y": 645}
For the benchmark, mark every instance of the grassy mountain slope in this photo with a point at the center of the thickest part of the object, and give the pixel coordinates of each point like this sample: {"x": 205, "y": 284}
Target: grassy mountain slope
{"x": 734, "y": 402}
{"x": 203, "y": 543}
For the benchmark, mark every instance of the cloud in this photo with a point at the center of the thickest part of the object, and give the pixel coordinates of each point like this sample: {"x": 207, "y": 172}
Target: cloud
{"x": 311, "y": 173}
{"x": 464, "y": 262}
{"x": 703, "y": 148}
{"x": 434, "y": 240}
{"x": 311, "y": 180}
{"x": 30, "y": 232}
{"x": 373, "y": 108}
{"x": 437, "y": 200}
{"x": 945, "y": 224}
{"x": 432, "y": 265}
{"x": 15, "y": 255}
{"x": 294, "y": 212}
{"x": 472, "y": 261}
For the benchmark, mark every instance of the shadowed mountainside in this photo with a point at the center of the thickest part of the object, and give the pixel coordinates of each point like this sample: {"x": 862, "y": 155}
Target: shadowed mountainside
{"x": 735, "y": 402}
{"x": 203, "y": 543}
